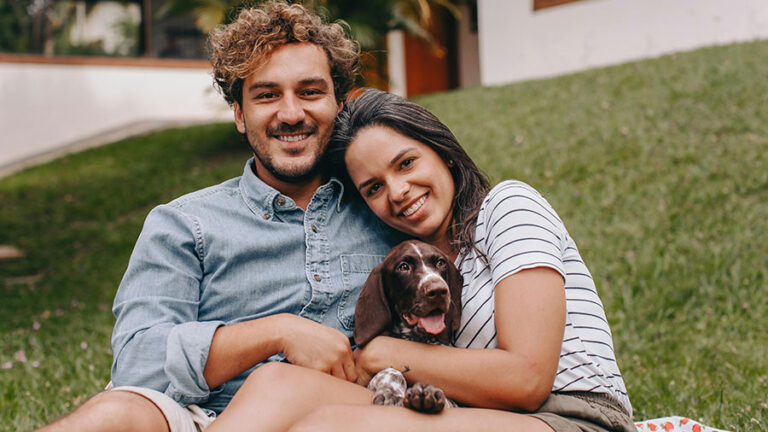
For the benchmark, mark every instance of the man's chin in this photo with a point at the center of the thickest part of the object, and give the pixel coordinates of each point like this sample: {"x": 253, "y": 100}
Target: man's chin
{"x": 295, "y": 174}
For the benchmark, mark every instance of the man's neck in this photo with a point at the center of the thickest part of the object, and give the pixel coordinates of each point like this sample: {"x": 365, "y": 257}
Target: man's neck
{"x": 301, "y": 192}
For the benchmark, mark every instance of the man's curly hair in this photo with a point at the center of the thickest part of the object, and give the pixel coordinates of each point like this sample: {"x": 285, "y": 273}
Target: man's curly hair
{"x": 238, "y": 48}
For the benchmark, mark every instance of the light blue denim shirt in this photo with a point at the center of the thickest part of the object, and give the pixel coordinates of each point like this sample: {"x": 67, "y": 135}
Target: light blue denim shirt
{"x": 230, "y": 253}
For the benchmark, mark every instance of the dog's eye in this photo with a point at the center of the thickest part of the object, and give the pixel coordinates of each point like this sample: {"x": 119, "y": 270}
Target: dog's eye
{"x": 403, "y": 267}
{"x": 441, "y": 263}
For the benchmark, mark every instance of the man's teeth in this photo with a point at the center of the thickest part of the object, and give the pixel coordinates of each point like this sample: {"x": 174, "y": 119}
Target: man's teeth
{"x": 292, "y": 138}
{"x": 417, "y": 205}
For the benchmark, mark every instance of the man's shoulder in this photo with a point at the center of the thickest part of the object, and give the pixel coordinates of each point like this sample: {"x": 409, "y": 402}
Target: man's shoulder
{"x": 208, "y": 195}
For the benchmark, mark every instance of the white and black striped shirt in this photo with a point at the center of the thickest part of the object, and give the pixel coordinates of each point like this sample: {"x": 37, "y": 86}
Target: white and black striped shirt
{"x": 517, "y": 229}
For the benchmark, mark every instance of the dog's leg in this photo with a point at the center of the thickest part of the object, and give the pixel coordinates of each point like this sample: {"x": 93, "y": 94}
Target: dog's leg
{"x": 388, "y": 387}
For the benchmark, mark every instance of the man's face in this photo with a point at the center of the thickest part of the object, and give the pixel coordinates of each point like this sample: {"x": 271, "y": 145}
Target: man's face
{"x": 287, "y": 113}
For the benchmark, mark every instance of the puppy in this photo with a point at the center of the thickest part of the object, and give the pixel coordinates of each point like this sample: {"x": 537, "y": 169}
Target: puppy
{"x": 414, "y": 294}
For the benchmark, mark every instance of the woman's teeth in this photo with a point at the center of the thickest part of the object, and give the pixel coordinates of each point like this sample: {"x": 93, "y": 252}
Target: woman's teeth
{"x": 292, "y": 138}
{"x": 417, "y": 205}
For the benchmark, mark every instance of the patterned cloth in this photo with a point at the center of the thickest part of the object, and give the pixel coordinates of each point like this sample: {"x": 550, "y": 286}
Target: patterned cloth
{"x": 674, "y": 424}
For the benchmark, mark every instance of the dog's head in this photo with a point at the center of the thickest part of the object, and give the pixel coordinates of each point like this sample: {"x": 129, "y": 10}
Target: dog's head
{"x": 416, "y": 287}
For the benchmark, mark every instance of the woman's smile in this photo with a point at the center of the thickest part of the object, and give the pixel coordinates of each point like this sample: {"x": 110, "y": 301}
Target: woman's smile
{"x": 415, "y": 207}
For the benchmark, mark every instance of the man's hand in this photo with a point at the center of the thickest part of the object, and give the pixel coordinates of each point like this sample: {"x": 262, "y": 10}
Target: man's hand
{"x": 315, "y": 346}
{"x": 236, "y": 348}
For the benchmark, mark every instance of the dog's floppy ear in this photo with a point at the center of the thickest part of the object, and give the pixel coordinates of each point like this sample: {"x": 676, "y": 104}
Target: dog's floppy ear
{"x": 372, "y": 314}
{"x": 455, "y": 285}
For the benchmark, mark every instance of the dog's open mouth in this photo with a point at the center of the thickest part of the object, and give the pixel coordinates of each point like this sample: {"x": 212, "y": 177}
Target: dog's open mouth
{"x": 432, "y": 323}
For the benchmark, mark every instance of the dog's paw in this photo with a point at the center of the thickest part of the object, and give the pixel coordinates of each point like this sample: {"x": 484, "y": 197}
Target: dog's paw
{"x": 424, "y": 398}
{"x": 387, "y": 398}
{"x": 388, "y": 387}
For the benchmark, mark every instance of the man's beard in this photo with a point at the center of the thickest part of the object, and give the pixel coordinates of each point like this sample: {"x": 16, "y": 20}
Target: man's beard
{"x": 293, "y": 173}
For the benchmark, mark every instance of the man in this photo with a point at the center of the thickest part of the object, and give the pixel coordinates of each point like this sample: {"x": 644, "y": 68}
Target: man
{"x": 262, "y": 267}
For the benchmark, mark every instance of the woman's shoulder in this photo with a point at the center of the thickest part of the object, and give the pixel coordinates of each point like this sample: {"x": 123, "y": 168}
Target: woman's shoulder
{"x": 507, "y": 190}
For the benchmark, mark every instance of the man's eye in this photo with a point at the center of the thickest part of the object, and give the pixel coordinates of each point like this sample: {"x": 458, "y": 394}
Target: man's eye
{"x": 403, "y": 267}
{"x": 266, "y": 95}
{"x": 312, "y": 92}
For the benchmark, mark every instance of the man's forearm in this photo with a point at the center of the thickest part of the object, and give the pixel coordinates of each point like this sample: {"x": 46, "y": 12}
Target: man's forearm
{"x": 238, "y": 347}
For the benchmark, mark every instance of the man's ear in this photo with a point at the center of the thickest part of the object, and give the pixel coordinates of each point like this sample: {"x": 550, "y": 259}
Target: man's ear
{"x": 239, "y": 120}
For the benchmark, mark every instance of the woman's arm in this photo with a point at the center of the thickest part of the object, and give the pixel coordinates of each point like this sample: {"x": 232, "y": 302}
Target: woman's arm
{"x": 518, "y": 375}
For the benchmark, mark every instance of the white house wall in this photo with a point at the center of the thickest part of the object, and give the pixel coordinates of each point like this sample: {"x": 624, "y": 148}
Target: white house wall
{"x": 517, "y": 43}
{"x": 48, "y": 107}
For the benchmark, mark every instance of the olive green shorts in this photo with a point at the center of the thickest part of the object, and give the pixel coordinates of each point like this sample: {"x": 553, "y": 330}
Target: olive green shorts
{"x": 584, "y": 412}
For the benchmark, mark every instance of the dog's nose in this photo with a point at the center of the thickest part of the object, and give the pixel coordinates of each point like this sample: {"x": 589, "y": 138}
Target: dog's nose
{"x": 436, "y": 290}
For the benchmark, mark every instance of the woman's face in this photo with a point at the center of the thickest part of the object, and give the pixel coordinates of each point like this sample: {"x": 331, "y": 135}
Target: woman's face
{"x": 404, "y": 182}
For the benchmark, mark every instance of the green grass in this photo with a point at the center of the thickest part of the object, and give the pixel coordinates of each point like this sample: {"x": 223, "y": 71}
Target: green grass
{"x": 658, "y": 168}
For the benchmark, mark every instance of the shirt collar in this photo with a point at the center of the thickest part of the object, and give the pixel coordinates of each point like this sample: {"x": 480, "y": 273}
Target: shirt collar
{"x": 264, "y": 200}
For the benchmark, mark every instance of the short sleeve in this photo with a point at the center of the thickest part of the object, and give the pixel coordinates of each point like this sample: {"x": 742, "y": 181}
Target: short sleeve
{"x": 521, "y": 231}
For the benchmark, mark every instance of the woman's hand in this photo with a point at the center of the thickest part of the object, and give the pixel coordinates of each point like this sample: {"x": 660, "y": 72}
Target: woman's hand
{"x": 372, "y": 358}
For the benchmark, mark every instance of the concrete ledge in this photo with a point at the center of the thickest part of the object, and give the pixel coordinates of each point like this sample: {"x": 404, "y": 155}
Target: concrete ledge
{"x": 135, "y": 129}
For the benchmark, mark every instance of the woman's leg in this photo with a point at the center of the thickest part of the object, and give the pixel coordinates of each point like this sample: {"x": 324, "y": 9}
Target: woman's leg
{"x": 277, "y": 395}
{"x": 385, "y": 419}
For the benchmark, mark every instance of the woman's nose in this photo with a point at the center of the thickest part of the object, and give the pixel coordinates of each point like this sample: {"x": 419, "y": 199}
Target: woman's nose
{"x": 398, "y": 191}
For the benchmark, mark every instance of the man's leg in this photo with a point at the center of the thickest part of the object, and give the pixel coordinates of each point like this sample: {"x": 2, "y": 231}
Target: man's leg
{"x": 118, "y": 411}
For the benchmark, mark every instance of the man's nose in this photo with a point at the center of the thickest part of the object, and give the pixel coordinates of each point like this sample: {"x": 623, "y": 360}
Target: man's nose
{"x": 291, "y": 110}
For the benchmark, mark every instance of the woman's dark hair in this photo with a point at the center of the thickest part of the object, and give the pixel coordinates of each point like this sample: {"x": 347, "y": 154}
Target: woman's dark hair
{"x": 378, "y": 108}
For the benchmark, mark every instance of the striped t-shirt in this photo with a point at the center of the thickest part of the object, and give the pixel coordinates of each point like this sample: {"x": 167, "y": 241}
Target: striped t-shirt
{"x": 517, "y": 229}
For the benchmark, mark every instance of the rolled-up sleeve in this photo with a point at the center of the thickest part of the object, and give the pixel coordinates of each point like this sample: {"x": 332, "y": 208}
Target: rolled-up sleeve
{"x": 158, "y": 341}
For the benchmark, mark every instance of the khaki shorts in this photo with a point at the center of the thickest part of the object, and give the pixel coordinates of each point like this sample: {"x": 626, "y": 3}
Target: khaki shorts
{"x": 584, "y": 412}
{"x": 191, "y": 418}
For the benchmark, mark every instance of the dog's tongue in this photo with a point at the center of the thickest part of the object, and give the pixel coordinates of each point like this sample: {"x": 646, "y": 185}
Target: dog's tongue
{"x": 432, "y": 324}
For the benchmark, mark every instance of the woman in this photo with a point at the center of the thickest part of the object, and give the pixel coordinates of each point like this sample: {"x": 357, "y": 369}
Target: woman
{"x": 545, "y": 359}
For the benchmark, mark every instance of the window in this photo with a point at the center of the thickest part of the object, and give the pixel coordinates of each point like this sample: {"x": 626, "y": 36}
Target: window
{"x": 98, "y": 28}
{"x": 542, "y": 4}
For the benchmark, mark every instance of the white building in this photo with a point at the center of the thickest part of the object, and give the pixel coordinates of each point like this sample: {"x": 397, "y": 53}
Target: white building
{"x": 54, "y": 104}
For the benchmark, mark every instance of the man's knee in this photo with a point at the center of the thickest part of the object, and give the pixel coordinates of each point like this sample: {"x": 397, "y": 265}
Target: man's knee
{"x": 119, "y": 411}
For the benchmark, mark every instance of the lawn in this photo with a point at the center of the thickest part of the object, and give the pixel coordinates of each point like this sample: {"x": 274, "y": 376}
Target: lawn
{"x": 659, "y": 169}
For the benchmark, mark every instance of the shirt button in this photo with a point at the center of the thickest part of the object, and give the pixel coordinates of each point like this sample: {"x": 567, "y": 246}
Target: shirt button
{"x": 280, "y": 201}
{"x": 266, "y": 215}
{"x": 318, "y": 278}
{"x": 314, "y": 228}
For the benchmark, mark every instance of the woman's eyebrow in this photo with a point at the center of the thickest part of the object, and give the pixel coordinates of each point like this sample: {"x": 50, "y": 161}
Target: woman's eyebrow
{"x": 400, "y": 155}
{"x": 394, "y": 160}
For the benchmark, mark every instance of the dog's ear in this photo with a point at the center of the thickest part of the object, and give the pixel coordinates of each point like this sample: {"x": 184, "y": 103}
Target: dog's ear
{"x": 455, "y": 285}
{"x": 372, "y": 314}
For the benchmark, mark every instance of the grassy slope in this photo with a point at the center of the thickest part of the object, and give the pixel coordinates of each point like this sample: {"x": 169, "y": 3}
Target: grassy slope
{"x": 658, "y": 168}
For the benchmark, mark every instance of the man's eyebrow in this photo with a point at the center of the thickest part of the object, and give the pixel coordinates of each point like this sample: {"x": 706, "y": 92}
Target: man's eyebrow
{"x": 316, "y": 81}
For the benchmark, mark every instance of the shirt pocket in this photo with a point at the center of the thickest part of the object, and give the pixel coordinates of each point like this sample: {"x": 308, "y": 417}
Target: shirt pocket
{"x": 355, "y": 269}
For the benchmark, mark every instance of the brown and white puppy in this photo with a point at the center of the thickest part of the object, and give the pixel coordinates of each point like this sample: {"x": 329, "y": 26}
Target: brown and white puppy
{"x": 414, "y": 294}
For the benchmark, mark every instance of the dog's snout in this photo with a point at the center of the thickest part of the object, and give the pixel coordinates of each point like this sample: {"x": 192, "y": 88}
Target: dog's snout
{"x": 436, "y": 290}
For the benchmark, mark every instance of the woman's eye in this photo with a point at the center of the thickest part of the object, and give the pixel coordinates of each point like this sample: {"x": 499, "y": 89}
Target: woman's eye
{"x": 373, "y": 189}
{"x": 403, "y": 267}
{"x": 441, "y": 263}
{"x": 406, "y": 163}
